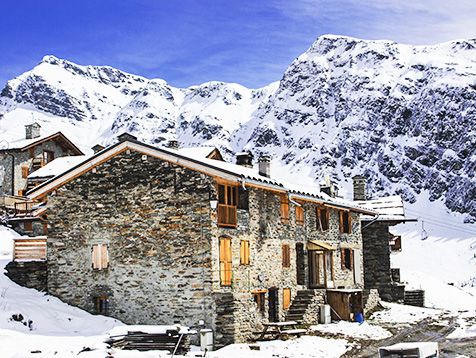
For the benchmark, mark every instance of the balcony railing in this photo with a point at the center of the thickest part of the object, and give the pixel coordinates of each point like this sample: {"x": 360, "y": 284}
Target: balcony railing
{"x": 24, "y": 208}
{"x": 31, "y": 249}
{"x": 227, "y": 215}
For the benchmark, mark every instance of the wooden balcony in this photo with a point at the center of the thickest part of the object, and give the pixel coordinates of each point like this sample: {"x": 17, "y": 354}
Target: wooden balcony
{"x": 31, "y": 249}
{"x": 24, "y": 208}
{"x": 227, "y": 215}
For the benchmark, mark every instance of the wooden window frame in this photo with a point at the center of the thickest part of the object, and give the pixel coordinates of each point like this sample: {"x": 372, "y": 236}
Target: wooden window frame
{"x": 244, "y": 252}
{"x": 25, "y": 170}
{"x": 226, "y": 261}
{"x": 347, "y": 259}
{"x": 322, "y": 218}
{"x": 284, "y": 208}
{"x": 48, "y": 156}
{"x": 345, "y": 222}
{"x": 259, "y": 296}
{"x": 286, "y": 255}
{"x": 27, "y": 226}
{"x": 101, "y": 305}
{"x": 227, "y": 205}
{"x": 100, "y": 256}
{"x": 300, "y": 215}
{"x": 286, "y": 298}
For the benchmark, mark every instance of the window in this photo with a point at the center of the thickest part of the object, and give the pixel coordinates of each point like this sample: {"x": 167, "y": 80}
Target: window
{"x": 259, "y": 298}
{"x": 227, "y": 204}
{"x": 284, "y": 209}
{"x": 286, "y": 254}
{"x": 345, "y": 222}
{"x": 100, "y": 256}
{"x": 102, "y": 305}
{"x": 24, "y": 171}
{"x": 243, "y": 199}
{"x": 322, "y": 218}
{"x": 28, "y": 226}
{"x": 31, "y": 152}
{"x": 300, "y": 265}
{"x": 244, "y": 252}
{"x": 347, "y": 259}
{"x": 48, "y": 156}
{"x": 21, "y": 192}
{"x": 225, "y": 262}
{"x": 286, "y": 298}
{"x": 299, "y": 215}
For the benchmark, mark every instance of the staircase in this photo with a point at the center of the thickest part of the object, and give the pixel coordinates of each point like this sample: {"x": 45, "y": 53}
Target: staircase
{"x": 299, "y": 305}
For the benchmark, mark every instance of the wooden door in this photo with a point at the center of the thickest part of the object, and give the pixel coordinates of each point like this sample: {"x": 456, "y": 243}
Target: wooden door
{"x": 316, "y": 269}
{"x": 273, "y": 300}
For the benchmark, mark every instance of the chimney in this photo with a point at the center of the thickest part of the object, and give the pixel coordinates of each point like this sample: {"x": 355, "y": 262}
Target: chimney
{"x": 97, "y": 148}
{"x": 264, "y": 165}
{"x": 173, "y": 144}
{"x": 126, "y": 137}
{"x": 329, "y": 187}
{"x": 359, "y": 187}
{"x": 245, "y": 159}
{"x": 32, "y": 131}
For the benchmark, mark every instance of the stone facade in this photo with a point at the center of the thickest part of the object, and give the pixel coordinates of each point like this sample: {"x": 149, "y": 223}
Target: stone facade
{"x": 24, "y": 158}
{"x": 31, "y": 274}
{"x": 378, "y": 274}
{"x": 162, "y": 239}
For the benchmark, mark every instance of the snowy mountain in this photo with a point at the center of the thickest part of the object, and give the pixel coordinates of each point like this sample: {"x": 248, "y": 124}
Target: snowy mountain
{"x": 403, "y": 115}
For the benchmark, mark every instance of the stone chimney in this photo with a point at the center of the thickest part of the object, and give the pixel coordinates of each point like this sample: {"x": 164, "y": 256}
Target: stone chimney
{"x": 264, "y": 165}
{"x": 329, "y": 187}
{"x": 126, "y": 137}
{"x": 32, "y": 131}
{"x": 359, "y": 187}
{"x": 97, "y": 148}
{"x": 245, "y": 159}
{"x": 173, "y": 144}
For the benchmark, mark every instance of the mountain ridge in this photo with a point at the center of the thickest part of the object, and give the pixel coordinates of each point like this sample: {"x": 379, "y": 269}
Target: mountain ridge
{"x": 402, "y": 115}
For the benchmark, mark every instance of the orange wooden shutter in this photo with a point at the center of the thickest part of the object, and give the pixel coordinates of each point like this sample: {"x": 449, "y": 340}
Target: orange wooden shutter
{"x": 225, "y": 262}
{"x": 351, "y": 254}
{"x": 342, "y": 259}
{"x": 284, "y": 208}
{"x": 244, "y": 252}
{"x": 341, "y": 221}
{"x": 95, "y": 258}
{"x": 24, "y": 172}
{"x": 286, "y": 298}
{"x": 104, "y": 256}
{"x": 286, "y": 255}
{"x": 349, "y": 223}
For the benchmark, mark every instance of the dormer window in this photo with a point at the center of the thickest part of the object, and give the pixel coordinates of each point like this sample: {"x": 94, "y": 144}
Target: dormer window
{"x": 48, "y": 156}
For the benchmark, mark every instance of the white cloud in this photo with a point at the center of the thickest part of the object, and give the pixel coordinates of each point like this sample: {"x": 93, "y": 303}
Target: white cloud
{"x": 414, "y": 22}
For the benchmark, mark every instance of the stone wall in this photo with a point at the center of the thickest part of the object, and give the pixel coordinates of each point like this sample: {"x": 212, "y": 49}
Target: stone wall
{"x": 377, "y": 262}
{"x": 154, "y": 218}
{"x": 163, "y": 243}
{"x": 312, "y": 314}
{"x": 31, "y": 274}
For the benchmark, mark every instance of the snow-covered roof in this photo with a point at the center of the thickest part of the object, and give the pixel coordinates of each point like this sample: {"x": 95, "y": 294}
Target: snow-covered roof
{"x": 197, "y": 152}
{"x": 57, "y": 166}
{"x": 389, "y": 208}
{"x": 23, "y": 143}
{"x": 225, "y": 170}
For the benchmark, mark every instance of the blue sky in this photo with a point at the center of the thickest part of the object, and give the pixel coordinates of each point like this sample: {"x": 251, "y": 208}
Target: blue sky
{"x": 187, "y": 42}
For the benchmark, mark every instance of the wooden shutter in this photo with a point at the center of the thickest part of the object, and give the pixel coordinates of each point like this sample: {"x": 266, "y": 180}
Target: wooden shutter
{"x": 286, "y": 253}
{"x": 341, "y": 221}
{"x": 284, "y": 209}
{"x": 104, "y": 256}
{"x": 349, "y": 223}
{"x": 299, "y": 215}
{"x": 351, "y": 254}
{"x": 24, "y": 171}
{"x": 342, "y": 259}
{"x": 225, "y": 262}
{"x": 96, "y": 257}
{"x": 286, "y": 298}
{"x": 244, "y": 252}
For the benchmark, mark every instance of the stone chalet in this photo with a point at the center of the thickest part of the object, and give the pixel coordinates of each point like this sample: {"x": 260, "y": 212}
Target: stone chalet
{"x": 19, "y": 159}
{"x": 155, "y": 235}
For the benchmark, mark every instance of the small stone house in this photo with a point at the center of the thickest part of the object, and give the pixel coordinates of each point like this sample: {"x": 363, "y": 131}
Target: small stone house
{"x": 19, "y": 159}
{"x": 160, "y": 235}
{"x": 379, "y": 242}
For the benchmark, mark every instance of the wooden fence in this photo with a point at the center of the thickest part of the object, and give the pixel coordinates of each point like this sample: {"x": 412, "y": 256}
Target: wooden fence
{"x": 29, "y": 249}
